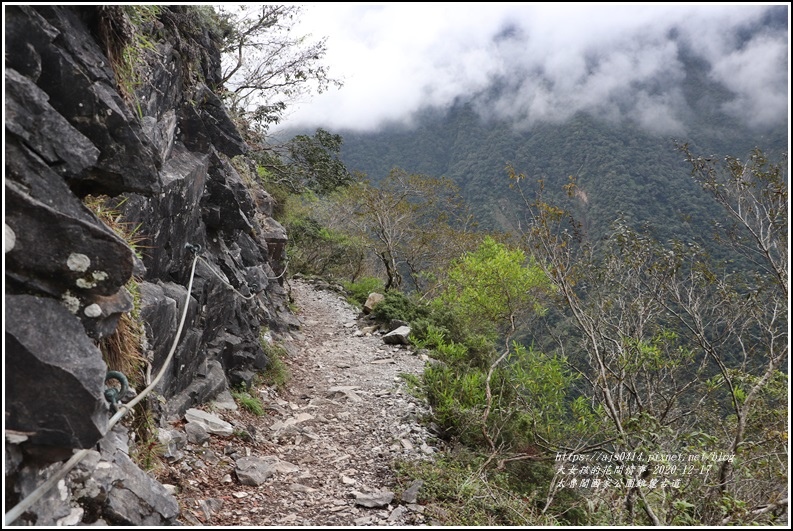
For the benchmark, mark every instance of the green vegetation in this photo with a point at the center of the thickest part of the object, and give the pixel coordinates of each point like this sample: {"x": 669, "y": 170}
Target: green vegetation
{"x": 397, "y": 305}
{"x": 553, "y": 342}
{"x": 122, "y": 350}
{"x": 457, "y": 491}
{"x": 607, "y": 322}
{"x": 248, "y": 402}
{"x": 147, "y": 450}
{"x": 317, "y": 250}
{"x": 125, "y": 32}
{"x": 359, "y": 290}
{"x": 621, "y": 169}
{"x": 277, "y": 373}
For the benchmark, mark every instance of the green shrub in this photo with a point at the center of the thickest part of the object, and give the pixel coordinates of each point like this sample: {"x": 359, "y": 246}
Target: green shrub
{"x": 248, "y": 402}
{"x": 397, "y": 305}
{"x": 359, "y": 291}
{"x": 277, "y": 373}
{"x": 316, "y": 250}
{"x": 457, "y": 492}
{"x": 457, "y": 401}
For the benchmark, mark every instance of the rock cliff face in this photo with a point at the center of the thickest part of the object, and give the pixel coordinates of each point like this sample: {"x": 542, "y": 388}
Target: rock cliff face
{"x": 162, "y": 155}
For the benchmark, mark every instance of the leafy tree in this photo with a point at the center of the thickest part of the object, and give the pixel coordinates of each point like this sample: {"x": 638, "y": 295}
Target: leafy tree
{"x": 265, "y": 65}
{"x": 305, "y": 163}
{"x": 683, "y": 354}
{"x": 755, "y": 197}
{"x": 740, "y": 320}
{"x": 414, "y": 224}
{"x": 317, "y": 246}
{"x": 492, "y": 290}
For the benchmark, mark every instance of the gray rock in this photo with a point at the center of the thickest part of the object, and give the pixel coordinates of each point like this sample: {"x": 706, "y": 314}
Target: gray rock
{"x": 241, "y": 378}
{"x": 209, "y": 125}
{"x": 139, "y": 499}
{"x": 71, "y": 133}
{"x": 66, "y": 367}
{"x": 227, "y": 205}
{"x": 30, "y": 116}
{"x": 73, "y": 518}
{"x": 211, "y": 506}
{"x": 398, "y": 336}
{"x": 77, "y": 77}
{"x": 397, "y": 513}
{"x": 25, "y": 33}
{"x": 275, "y": 235}
{"x": 373, "y": 499}
{"x": 174, "y": 441}
{"x": 196, "y": 433}
{"x": 198, "y": 391}
{"x": 109, "y": 310}
{"x": 59, "y": 245}
{"x": 107, "y": 484}
{"x": 13, "y": 455}
{"x": 211, "y": 423}
{"x": 224, "y": 400}
{"x": 346, "y": 390}
{"x": 396, "y": 323}
{"x": 255, "y": 470}
{"x": 411, "y": 493}
{"x": 371, "y": 301}
{"x": 52, "y": 507}
{"x": 133, "y": 497}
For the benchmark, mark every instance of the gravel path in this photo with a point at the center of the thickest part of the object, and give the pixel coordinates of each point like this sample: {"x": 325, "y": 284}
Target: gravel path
{"x": 322, "y": 454}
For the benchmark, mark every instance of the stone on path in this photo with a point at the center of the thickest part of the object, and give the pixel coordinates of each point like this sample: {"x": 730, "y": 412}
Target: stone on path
{"x": 196, "y": 433}
{"x": 397, "y": 513}
{"x": 411, "y": 493}
{"x": 211, "y": 423}
{"x": 346, "y": 390}
{"x": 373, "y": 499}
{"x": 224, "y": 400}
{"x": 373, "y": 300}
{"x": 255, "y": 470}
{"x": 398, "y": 336}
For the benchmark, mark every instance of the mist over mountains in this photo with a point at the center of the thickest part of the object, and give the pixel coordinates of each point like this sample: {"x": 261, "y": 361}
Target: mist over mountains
{"x": 615, "y": 62}
{"x": 603, "y": 103}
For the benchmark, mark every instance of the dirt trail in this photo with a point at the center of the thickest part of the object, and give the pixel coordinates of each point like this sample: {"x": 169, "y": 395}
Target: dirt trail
{"x": 326, "y": 442}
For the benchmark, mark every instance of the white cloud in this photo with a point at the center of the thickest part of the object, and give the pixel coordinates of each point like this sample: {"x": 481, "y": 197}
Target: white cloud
{"x": 615, "y": 61}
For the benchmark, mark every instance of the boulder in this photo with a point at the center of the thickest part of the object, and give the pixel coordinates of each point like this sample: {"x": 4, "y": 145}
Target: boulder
{"x": 398, "y": 337}
{"x": 255, "y": 470}
{"x": 57, "y": 390}
{"x": 128, "y": 495}
{"x": 373, "y": 499}
{"x": 196, "y": 433}
{"x": 411, "y": 493}
{"x": 29, "y": 116}
{"x": 76, "y": 74}
{"x": 211, "y": 423}
{"x": 101, "y": 314}
{"x": 371, "y": 301}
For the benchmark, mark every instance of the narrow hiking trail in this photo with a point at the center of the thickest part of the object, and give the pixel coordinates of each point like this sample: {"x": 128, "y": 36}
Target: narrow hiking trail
{"x": 322, "y": 453}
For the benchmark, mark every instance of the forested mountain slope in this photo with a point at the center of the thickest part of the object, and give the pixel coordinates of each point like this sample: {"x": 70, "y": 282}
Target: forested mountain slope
{"x": 619, "y": 168}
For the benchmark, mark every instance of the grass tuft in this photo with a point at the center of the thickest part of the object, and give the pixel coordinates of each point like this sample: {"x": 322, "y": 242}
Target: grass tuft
{"x": 248, "y": 402}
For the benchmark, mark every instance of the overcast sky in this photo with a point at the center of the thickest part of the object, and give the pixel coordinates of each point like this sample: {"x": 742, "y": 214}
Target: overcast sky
{"x": 615, "y": 61}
